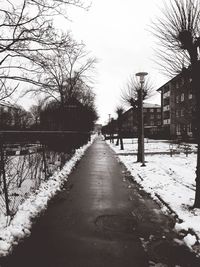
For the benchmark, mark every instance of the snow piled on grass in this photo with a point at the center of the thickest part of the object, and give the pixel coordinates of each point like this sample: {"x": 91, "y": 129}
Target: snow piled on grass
{"x": 20, "y": 225}
{"x": 169, "y": 179}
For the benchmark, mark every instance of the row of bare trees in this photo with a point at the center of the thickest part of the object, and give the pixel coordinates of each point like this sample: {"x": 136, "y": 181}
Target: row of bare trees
{"x": 177, "y": 32}
{"x": 15, "y": 117}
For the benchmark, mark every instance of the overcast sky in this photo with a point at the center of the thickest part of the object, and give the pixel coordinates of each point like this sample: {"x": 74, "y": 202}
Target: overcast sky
{"x": 117, "y": 32}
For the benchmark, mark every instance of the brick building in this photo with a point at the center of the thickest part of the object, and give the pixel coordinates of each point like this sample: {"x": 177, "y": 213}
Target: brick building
{"x": 152, "y": 120}
{"x": 178, "y": 102}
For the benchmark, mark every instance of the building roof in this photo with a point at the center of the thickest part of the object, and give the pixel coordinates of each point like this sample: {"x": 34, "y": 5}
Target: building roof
{"x": 174, "y": 78}
{"x": 185, "y": 72}
{"x": 150, "y": 105}
{"x": 145, "y": 105}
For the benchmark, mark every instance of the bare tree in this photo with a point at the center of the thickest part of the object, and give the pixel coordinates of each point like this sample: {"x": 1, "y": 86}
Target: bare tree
{"x": 132, "y": 88}
{"x": 65, "y": 73}
{"x": 178, "y": 32}
{"x": 119, "y": 111}
{"x": 22, "y": 119}
{"x": 26, "y": 27}
{"x": 35, "y": 111}
{"x": 131, "y": 95}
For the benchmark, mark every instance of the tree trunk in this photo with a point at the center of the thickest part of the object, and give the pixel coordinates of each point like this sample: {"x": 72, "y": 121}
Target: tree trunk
{"x": 3, "y": 172}
{"x": 195, "y": 84}
{"x": 44, "y": 162}
{"x": 139, "y": 131}
{"x": 117, "y": 142}
{"x": 197, "y": 194}
{"x": 121, "y": 143}
{"x": 120, "y": 134}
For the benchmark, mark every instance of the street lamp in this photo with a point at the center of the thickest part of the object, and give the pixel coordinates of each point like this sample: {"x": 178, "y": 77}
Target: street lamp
{"x": 141, "y": 76}
{"x": 109, "y": 123}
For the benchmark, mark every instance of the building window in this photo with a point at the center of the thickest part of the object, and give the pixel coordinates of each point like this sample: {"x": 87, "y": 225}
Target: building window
{"x": 165, "y": 101}
{"x": 166, "y": 121}
{"x": 166, "y": 88}
{"x": 158, "y": 116}
{"x": 177, "y": 99}
{"x": 190, "y": 95}
{"x": 189, "y": 128}
{"x": 182, "y": 112}
{"x": 182, "y": 97}
{"x": 178, "y": 129}
{"x": 177, "y": 85}
{"x": 144, "y": 110}
{"x": 151, "y": 110}
{"x": 165, "y": 108}
{"x": 152, "y": 116}
{"x": 177, "y": 113}
{"x": 152, "y": 123}
{"x": 166, "y": 95}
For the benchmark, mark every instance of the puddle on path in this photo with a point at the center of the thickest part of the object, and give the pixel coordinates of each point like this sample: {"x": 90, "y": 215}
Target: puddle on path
{"x": 116, "y": 223}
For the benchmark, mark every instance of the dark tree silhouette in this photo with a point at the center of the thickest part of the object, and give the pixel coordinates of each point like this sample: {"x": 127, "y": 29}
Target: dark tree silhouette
{"x": 131, "y": 95}
{"x": 178, "y": 32}
{"x": 119, "y": 111}
{"x": 75, "y": 118}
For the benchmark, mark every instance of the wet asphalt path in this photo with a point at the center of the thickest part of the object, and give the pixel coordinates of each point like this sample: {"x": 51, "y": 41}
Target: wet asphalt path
{"x": 84, "y": 224}
{"x": 93, "y": 221}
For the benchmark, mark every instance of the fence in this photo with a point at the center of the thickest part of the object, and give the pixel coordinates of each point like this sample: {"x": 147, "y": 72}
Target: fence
{"x": 28, "y": 158}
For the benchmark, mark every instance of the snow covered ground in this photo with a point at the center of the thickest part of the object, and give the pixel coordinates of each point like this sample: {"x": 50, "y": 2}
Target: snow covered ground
{"x": 170, "y": 180}
{"x": 155, "y": 146}
{"x": 24, "y": 174}
{"x": 21, "y": 224}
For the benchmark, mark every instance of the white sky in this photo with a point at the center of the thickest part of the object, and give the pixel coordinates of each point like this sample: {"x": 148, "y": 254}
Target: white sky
{"x": 117, "y": 32}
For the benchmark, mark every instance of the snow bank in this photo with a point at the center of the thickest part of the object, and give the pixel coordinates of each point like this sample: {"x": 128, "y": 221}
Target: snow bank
{"x": 20, "y": 226}
{"x": 189, "y": 240}
{"x": 171, "y": 179}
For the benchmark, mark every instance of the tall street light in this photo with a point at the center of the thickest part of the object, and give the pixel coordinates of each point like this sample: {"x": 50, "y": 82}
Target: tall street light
{"x": 109, "y": 123}
{"x": 141, "y": 76}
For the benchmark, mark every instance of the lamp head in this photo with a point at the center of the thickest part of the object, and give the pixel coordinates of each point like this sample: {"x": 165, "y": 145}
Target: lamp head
{"x": 141, "y": 76}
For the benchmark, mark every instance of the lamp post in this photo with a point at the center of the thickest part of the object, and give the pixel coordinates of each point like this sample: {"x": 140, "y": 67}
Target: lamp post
{"x": 141, "y": 76}
{"x": 109, "y": 123}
